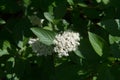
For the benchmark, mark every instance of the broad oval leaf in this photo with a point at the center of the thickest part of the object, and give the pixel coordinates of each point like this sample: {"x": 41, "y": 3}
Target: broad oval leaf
{"x": 45, "y": 36}
{"x": 48, "y": 16}
{"x": 97, "y": 43}
{"x": 78, "y": 53}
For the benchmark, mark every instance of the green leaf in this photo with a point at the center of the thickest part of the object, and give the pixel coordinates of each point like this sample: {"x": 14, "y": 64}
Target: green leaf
{"x": 98, "y": 1}
{"x": 4, "y": 51}
{"x": 97, "y": 43}
{"x": 9, "y": 76}
{"x": 78, "y": 53}
{"x": 2, "y": 21}
{"x": 48, "y": 16}
{"x": 47, "y": 28}
{"x": 70, "y": 2}
{"x": 105, "y": 1}
{"x": 27, "y": 3}
{"x": 113, "y": 39}
{"x": 6, "y": 45}
{"x": 45, "y": 36}
{"x": 82, "y": 5}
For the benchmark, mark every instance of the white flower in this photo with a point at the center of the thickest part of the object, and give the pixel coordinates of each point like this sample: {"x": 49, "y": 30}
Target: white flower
{"x": 40, "y": 48}
{"x": 66, "y": 42}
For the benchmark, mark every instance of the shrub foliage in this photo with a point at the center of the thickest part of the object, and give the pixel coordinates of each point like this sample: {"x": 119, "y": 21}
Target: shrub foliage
{"x": 96, "y": 58}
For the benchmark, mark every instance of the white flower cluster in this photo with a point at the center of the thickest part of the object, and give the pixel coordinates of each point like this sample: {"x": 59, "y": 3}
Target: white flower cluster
{"x": 40, "y": 48}
{"x": 66, "y": 42}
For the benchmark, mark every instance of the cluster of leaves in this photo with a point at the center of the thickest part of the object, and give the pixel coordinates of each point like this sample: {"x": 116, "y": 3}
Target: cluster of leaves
{"x": 97, "y": 21}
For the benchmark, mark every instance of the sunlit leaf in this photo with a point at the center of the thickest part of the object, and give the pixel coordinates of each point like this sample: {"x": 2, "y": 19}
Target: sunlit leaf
{"x": 2, "y": 21}
{"x": 70, "y": 2}
{"x": 78, "y": 53}
{"x": 113, "y": 39}
{"x": 98, "y": 1}
{"x": 48, "y": 16}
{"x": 105, "y": 1}
{"x": 97, "y": 43}
{"x": 45, "y": 36}
{"x": 82, "y": 5}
